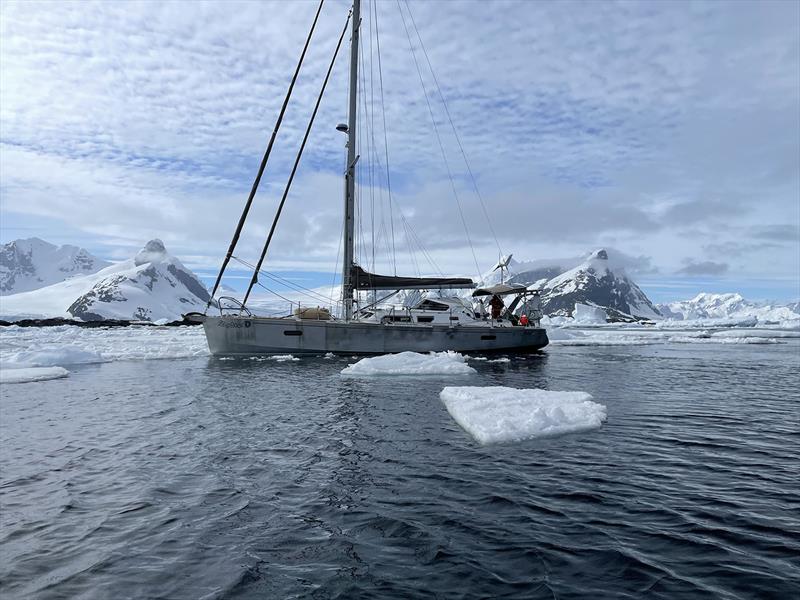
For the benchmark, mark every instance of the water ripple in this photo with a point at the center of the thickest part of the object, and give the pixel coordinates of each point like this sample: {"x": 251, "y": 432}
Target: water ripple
{"x": 247, "y": 479}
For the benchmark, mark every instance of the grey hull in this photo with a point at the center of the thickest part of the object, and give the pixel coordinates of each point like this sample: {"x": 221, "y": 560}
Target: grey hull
{"x": 231, "y": 335}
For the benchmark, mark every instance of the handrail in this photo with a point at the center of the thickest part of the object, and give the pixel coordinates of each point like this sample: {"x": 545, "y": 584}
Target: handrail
{"x": 241, "y": 307}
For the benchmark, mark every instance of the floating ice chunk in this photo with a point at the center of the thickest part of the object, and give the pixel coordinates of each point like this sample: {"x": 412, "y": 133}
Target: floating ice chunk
{"x": 504, "y": 414}
{"x": 283, "y": 358}
{"x": 477, "y": 358}
{"x": 586, "y": 314}
{"x": 28, "y": 375}
{"x": 411, "y": 363}
{"x": 500, "y": 360}
{"x": 329, "y": 355}
{"x": 51, "y": 357}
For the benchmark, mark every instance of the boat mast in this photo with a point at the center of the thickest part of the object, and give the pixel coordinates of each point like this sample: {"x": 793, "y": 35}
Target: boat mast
{"x": 349, "y": 177}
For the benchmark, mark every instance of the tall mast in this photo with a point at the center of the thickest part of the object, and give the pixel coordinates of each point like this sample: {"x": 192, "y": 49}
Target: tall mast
{"x": 349, "y": 177}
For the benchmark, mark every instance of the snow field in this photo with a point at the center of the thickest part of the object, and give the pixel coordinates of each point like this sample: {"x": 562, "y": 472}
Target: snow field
{"x": 502, "y": 414}
{"x": 410, "y": 363}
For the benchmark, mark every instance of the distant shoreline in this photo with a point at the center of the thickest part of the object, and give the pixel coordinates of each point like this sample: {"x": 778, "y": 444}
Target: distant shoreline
{"x": 58, "y": 321}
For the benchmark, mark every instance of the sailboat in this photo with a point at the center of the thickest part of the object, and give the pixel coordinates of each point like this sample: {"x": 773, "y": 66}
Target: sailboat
{"x": 433, "y": 324}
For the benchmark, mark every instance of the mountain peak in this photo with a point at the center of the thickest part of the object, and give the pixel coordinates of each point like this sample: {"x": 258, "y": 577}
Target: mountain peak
{"x": 153, "y": 251}
{"x": 30, "y": 264}
{"x": 599, "y": 254}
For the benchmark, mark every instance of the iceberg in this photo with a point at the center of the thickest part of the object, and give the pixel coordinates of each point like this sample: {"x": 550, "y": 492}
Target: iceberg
{"x": 410, "y": 363}
{"x": 29, "y": 375}
{"x": 503, "y": 414}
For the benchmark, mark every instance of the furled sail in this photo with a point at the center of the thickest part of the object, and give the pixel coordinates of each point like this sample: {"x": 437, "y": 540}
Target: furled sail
{"x": 362, "y": 280}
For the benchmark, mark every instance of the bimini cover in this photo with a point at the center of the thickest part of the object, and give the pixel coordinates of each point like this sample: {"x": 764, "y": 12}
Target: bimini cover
{"x": 500, "y": 289}
{"x": 369, "y": 281}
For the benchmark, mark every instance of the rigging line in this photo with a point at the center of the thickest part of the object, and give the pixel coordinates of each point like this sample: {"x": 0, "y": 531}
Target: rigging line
{"x": 264, "y": 160}
{"x": 296, "y": 162}
{"x": 295, "y": 287}
{"x": 439, "y": 139}
{"x": 274, "y": 292}
{"x": 372, "y": 130}
{"x": 336, "y": 264}
{"x": 455, "y": 132}
{"x": 385, "y": 138}
{"x": 362, "y": 137}
{"x": 399, "y": 210}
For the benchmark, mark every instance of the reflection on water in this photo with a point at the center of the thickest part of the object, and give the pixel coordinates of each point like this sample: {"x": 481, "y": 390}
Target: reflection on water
{"x": 238, "y": 478}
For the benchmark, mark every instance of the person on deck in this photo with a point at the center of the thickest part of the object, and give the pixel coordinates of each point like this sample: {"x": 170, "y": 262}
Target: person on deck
{"x": 497, "y": 307}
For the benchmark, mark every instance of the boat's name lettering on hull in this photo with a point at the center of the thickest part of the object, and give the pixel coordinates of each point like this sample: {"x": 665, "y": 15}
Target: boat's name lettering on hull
{"x": 234, "y": 324}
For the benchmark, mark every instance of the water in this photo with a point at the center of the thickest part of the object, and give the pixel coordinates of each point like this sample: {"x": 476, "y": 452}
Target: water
{"x": 207, "y": 478}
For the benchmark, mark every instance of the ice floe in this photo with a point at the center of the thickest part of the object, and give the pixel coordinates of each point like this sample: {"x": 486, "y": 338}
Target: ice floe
{"x": 110, "y": 343}
{"x": 276, "y": 357}
{"x": 51, "y": 357}
{"x": 503, "y": 414}
{"x": 31, "y": 374}
{"x": 410, "y": 363}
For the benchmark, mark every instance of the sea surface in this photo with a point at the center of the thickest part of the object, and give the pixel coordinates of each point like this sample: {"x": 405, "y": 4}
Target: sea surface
{"x": 205, "y": 478}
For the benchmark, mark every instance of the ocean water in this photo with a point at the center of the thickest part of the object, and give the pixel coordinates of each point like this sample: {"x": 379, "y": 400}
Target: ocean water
{"x": 205, "y": 478}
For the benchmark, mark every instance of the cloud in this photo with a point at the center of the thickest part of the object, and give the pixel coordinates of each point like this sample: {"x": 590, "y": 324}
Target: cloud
{"x": 705, "y": 267}
{"x": 644, "y": 127}
{"x": 781, "y": 233}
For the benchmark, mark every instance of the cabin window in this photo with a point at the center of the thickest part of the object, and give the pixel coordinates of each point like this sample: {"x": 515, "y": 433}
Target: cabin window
{"x": 488, "y": 337}
{"x": 431, "y": 305}
{"x": 454, "y": 318}
{"x": 396, "y": 319}
{"x": 428, "y": 319}
{"x": 294, "y": 332}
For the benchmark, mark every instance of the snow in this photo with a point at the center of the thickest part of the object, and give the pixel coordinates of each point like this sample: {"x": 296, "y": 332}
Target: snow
{"x": 31, "y": 374}
{"x": 410, "y": 363}
{"x": 729, "y": 310}
{"x": 32, "y": 263}
{"x": 153, "y": 285}
{"x": 503, "y": 414}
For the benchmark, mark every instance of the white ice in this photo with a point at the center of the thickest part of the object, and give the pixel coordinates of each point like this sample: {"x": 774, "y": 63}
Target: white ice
{"x": 410, "y": 363}
{"x": 49, "y": 357}
{"x": 29, "y": 375}
{"x": 276, "y": 357}
{"x": 111, "y": 343}
{"x": 503, "y": 414}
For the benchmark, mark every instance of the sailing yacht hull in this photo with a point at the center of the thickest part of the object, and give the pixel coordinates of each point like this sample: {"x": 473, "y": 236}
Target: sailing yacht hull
{"x": 234, "y": 335}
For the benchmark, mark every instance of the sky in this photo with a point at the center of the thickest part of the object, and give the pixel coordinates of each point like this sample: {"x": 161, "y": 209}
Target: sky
{"x": 668, "y": 131}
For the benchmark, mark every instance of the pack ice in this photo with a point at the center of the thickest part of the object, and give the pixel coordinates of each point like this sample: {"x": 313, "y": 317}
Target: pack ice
{"x": 504, "y": 414}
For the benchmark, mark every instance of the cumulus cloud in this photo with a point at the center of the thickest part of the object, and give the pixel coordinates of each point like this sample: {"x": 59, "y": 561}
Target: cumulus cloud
{"x": 640, "y": 126}
{"x": 706, "y": 267}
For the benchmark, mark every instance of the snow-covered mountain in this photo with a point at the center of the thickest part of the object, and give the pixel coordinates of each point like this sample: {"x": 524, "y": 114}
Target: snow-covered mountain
{"x": 597, "y": 281}
{"x": 32, "y": 263}
{"x": 152, "y": 286}
{"x": 730, "y": 307}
